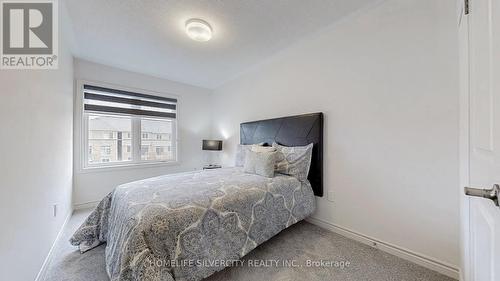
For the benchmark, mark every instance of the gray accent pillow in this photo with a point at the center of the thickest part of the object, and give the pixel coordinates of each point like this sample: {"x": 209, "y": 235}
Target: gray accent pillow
{"x": 241, "y": 151}
{"x": 260, "y": 163}
{"x": 294, "y": 160}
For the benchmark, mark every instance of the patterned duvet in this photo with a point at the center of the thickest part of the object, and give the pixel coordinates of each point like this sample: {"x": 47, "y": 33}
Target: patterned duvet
{"x": 188, "y": 226}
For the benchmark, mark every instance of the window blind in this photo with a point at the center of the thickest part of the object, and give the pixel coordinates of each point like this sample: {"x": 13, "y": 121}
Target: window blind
{"x": 105, "y": 100}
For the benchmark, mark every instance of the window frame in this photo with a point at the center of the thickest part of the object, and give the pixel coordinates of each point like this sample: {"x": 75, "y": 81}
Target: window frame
{"x": 81, "y": 133}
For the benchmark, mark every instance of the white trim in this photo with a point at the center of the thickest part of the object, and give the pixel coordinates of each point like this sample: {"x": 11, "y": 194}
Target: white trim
{"x": 117, "y": 167}
{"x": 464, "y": 144}
{"x": 86, "y": 205}
{"x": 420, "y": 259}
{"x": 43, "y": 270}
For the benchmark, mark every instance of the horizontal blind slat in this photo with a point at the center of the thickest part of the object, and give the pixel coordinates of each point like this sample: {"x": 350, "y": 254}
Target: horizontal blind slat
{"x": 127, "y": 93}
{"x": 91, "y": 96}
{"x": 109, "y": 109}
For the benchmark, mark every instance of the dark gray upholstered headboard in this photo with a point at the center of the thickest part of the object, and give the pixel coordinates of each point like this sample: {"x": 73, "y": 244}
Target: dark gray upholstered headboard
{"x": 291, "y": 131}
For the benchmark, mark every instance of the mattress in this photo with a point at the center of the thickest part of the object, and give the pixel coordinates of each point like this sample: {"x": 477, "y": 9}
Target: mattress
{"x": 188, "y": 226}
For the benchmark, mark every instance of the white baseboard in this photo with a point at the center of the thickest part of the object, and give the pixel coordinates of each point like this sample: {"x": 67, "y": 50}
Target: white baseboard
{"x": 41, "y": 274}
{"x": 420, "y": 259}
{"x": 86, "y": 205}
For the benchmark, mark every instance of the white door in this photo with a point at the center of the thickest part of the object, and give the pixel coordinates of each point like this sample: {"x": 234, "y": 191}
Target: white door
{"x": 480, "y": 139}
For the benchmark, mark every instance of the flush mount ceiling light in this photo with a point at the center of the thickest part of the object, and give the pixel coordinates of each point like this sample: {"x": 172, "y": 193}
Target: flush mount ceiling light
{"x": 198, "y": 30}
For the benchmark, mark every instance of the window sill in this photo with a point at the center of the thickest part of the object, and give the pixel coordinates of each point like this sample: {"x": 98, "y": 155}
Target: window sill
{"x": 131, "y": 166}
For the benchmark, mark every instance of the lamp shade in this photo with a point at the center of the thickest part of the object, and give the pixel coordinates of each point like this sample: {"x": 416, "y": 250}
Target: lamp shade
{"x": 212, "y": 145}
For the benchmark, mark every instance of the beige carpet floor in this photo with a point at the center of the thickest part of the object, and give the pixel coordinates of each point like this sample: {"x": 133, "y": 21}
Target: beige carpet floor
{"x": 301, "y": 243}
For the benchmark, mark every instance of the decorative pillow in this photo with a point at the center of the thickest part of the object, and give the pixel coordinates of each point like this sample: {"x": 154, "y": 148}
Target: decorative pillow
{"x": 260, "y": 163}
{"x": 241, "y": 151}
{"x": 294, "y": 160}
{"x": 260, "y": 148}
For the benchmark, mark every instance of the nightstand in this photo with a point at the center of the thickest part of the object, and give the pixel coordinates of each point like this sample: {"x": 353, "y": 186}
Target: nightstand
{"x": 211, "y": 167}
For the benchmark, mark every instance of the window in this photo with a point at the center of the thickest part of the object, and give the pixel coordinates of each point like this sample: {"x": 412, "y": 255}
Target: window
{"x": 128, "y": 128}
{"x": 159, "y": 150}
{"x": 144, "y": 150}
{"x": 106, "y": 149}
{"x": 102, "y": 148}
{"x": 158, "y": 127}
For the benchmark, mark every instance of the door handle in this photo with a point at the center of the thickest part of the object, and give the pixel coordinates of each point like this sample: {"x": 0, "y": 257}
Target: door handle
{"x": 491, "y": 194}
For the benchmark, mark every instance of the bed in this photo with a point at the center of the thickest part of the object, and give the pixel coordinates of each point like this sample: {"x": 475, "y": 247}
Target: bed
{"x": 187, "y": 226}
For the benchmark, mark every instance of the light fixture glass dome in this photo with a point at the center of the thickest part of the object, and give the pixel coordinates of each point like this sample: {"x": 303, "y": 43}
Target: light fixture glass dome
{"x": 198, "y": 30}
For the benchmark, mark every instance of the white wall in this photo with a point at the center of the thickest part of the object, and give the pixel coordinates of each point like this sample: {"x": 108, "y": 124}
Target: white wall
{"x": 193, "y": 126}
{"x": 386, "y": 79}
{"x": 36, "y": 163}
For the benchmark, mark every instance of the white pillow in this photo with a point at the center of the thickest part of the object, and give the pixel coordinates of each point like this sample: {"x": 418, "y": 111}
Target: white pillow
{"x": 260, "y": 163}
{"x": 241, "y": 151}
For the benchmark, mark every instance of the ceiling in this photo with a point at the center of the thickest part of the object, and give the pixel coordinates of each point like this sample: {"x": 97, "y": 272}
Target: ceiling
{"x": 148, "y": 36}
